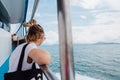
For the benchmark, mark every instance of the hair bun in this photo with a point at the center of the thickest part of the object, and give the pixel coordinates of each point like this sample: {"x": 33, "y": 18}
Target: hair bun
{"x": 30, "y": 23}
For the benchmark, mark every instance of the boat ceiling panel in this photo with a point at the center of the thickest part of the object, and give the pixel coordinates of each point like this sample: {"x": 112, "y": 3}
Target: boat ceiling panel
{"x": 15, "y": 10}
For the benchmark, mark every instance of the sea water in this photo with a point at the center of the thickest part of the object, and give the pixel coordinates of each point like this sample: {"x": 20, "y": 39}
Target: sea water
{"x": 91, "y": 61}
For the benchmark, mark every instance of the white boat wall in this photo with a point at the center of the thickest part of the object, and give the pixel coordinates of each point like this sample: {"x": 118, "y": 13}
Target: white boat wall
{"x": 5, "y": 46}
{"x": 5, "y": 51}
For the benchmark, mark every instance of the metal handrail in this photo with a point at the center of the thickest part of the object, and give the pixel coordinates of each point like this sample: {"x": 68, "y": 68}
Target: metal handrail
{"x": 34, "y": 8}
{"x": 48, "y": 73}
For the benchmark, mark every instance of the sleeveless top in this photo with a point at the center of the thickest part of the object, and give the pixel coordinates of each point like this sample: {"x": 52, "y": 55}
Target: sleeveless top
{"x": 15, "y": 56}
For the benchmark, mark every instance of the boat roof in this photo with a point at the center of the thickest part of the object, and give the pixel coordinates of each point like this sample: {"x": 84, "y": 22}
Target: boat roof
{"x": 13, "y": 11}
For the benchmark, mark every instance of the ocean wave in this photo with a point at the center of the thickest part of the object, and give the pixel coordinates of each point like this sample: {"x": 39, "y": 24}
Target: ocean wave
{"x": 77, "y": 77}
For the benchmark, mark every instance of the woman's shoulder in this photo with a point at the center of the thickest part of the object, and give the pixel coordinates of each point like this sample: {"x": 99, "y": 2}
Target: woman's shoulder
{"x": 32, "y": 44}
{"x": 30, "y": 47}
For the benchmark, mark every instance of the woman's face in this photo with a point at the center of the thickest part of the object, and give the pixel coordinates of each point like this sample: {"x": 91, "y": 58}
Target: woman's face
{"x": 42, "y": 38}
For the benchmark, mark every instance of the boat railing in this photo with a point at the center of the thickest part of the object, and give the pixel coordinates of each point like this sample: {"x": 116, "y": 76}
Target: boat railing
{"x": 48, "y": 73}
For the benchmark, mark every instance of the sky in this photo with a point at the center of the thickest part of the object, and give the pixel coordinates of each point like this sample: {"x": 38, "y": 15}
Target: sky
{"x": 92, "y": 21}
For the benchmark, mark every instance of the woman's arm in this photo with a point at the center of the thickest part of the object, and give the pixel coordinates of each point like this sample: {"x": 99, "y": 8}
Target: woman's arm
{"x": 40, "y": 56}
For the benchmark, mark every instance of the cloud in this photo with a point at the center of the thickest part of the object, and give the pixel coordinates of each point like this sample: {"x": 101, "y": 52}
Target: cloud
{"x": 113, "y": 4}
{"x": 89, "y": 34}
{"x": 83, "y": 16}
{"x": 104, "y": 28}
{"x": 106, "y": 18}
{"x": 51, "y": 37}
{"x": 103, "y": 25}
{"x": 86, "y": 3}
{"x": 37, "y": 14}
{"x": 96, "y": 33}
{"x": 52, "y": 23}
{"x": 97, "y": 4}
{"x": 90, "y": 4}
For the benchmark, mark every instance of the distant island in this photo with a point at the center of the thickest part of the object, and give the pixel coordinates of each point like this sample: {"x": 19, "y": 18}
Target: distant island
{"x": 106, "y": 43}
{"x": 96, "y": 43}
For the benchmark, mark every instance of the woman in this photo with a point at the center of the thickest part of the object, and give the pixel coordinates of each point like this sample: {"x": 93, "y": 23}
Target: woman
{"x": 35, "y": 37}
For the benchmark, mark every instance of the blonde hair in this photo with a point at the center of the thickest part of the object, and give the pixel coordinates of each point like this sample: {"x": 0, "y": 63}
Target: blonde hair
{"x": 34, "y": 32}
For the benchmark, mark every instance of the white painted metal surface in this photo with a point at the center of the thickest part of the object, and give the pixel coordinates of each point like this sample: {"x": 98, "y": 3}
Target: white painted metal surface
{"x": 5, "y": 45}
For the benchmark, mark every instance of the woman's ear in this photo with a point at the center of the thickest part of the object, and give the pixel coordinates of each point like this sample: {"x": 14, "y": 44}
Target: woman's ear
{"x": 41, "y": 37}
